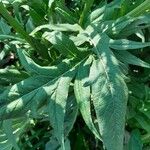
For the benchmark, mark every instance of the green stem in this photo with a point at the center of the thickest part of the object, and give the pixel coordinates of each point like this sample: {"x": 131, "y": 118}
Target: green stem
{"x": 16, "y": 25}
{"x": 139, "y": 10}
{"x": 87, "y": 6}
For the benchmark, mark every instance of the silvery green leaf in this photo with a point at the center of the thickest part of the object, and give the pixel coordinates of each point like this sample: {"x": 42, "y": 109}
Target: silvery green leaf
{"x": 4, "y": 28}
{"x": 96, "y": 16}
{"x": 57, "y": 27}
{"x": 109, "y": 94}
{"x": 7, "y": 126}
{"x": 123, "y": 44}
{"x": 134, "y": 25}
{"x": 83, "y": 96}
{"x": 10, "y": 131}
{"x": 129, "y": 58}
{"x": 71, "y": 114}
{"x": 28, "y": 94}
{"x": 57, "y": 106}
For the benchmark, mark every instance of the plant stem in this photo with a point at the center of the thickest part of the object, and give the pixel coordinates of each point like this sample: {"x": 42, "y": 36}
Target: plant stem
{"x": 17, "y": 26}
{"x": 139, "y": 10}
{"x": 86, "y": 8}
{"x": 14, "y": 23}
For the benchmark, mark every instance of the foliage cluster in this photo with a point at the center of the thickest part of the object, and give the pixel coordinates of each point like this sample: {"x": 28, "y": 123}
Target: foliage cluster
{"x": 74, "y": 69}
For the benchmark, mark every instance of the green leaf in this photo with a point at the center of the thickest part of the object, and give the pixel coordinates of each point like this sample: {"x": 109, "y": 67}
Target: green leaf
{"x": 12, "y": 76}
{"x": 112, "y": 10}
{"x": 67, "y": 145}
{"x": 70, "y": 117}
{"x": 118, "y": 25}
{"x": 14, "y": 23}
{"x": 94, "y": 74}
{"x": 143, "y": 121}
{"x": 53, "y": 144}
{"x": 58, "y": 27}
{"x": 49, "y": 71}
{"x": 79, "y": 39}
{"x": 15, "y": 126}
{"x": 109, "y": 94}
{"x": 86, "y": 9}
{"x": 39, "y": 7}
{"x": 62, "y": 43}
{"x": 18, "y": 27}
{"x": 109, "y": 100}
{"x": 29, "y": 26}
{"x": 125, "y": 26}
{"x": 7, "y": 125}
{"x": 129, "y": 58}
{"x": 66, "y": 14}
{"x": 7, "y": 37}
{"x": 37, "y": 19}
{"x": 25, "y": 95}
{"x": 110, "y": 109}
{"x": 96, "y": 16}
{"x": 128, "y": 6}
{"x": 134, "y": 25}
{"x": 124, "y": 44}
{"x": 71, "y": 114}
{"x": 57, "y": 106}
{"x": 4, "y": 28}
{"x": 28, "y": 93}
{"x": 83, "y": 96}
{"x": 140, "y": 10}
{"x": 135, "y": 142}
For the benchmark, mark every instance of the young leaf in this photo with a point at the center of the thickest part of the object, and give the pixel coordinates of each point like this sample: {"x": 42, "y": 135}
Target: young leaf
{"x": 94, "y": 73}
{"x": 66, "y": 15}
{"x": 58, "y": 27}
{"x": 124, "y": 44}
{"x": 135, "y": 24}
{"x": 129, "y": 58}
{"x": 62, "y": 43}
{"x": 86, "y": 9}
{"x": 96, "y": 16}
{"x": 118, "y": 25}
